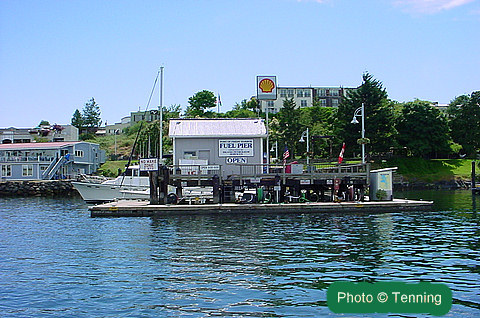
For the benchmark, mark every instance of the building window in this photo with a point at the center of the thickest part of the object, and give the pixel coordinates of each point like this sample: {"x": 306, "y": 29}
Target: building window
{"x": 189, "y": 155}
{"x": 79, "y": 153}
{"x": 334, "y": 102}
{"x": 306, "y": 93}
{"x": 321, "y": 92}
{"x": 290, "y": 92}
{"x": 303, "y": 103}
{"x": 299, "y": 92}
{"x": 27, "y": 170}
{"x": 323, "y": 102}
{"x": 334, "y": 92}
{"x": 283, "y": 93}
{"x": 6, "y": 170}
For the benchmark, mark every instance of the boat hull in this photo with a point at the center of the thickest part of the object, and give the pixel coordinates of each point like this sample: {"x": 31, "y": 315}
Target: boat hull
{"x": 94, "y": 193}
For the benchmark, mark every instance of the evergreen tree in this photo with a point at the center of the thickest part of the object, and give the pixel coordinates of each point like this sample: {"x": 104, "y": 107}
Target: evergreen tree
{"x": 289, "y": 126}
{"x": 379, "y": 119}
{"x": 464, "y": 114}
{"x": 423, "y": 129}
{"x": 77, "y": 119}
{"x": 91, "y": 114}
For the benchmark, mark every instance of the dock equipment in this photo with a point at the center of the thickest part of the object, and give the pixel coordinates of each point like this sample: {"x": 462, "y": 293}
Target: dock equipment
{"x": 272, "y": 183}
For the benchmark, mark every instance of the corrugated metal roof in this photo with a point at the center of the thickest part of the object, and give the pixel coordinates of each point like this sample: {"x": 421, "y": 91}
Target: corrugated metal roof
{"x": 38, "y": 145}
{"x": 217, "y": 127}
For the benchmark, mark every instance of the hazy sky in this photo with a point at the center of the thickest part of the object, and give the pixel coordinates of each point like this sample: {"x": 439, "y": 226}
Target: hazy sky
{"x": 56, "y": 55}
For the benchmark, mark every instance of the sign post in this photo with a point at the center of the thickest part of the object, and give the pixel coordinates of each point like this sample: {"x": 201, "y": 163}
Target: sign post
{"x": 267, "y": 91}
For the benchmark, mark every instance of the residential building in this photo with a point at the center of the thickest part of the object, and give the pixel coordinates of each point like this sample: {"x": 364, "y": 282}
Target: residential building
{"x": 223, "y": 142}
{"x": 43, "y": 133}
{"x": 118, "y": 128}
{"x": 147, "y": 116}
{"x": 441, "y": 107}
{"x": 304, "y": 97}
{"x": 49, "y": 160}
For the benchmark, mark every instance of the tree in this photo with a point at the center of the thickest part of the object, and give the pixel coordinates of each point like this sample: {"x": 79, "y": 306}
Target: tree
{"x": 44, "y": 123}
{"x": 289, "y": 126}
{"x": 77, "y": 119}
{"x": 91, "y": 114}
{"x": 379, "y": 119}
{"x": 464, "y": 115}
{"x": 200, "y": 103}
{"x": 423, "y": 129}
{"x": 320, "y": 121}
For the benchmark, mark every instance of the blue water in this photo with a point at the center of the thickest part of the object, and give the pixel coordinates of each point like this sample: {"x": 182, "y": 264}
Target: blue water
{"x": 56, "y": 261}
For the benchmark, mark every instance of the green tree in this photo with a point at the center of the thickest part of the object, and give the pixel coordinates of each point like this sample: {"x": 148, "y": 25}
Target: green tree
{"x": 44, "y": 123}
{"x": 379, "y": 119}
{"x": 289, "y": 126}
{"x": 200, "y": 103}
{"x": 464, "y": 115}
{"x": 423, "y": 129}
{"x": 91, "y": 114}
{"x": 320, "y": 121}
{"x": 77, "y": 119}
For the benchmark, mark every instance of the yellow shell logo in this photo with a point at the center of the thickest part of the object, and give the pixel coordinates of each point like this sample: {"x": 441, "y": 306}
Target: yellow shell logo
{"x": 266, "y": 85}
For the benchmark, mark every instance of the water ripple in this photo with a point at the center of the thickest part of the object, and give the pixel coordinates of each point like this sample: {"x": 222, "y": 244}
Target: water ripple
{"x": 57, "y": 261}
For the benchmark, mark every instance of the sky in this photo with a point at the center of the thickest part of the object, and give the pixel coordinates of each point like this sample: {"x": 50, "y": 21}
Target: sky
{"x": 56, "y": 55}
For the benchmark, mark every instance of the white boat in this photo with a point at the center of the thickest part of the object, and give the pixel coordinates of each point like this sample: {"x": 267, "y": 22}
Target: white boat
{"x": 124, "y": 186}
{"x": 134, "y": 185}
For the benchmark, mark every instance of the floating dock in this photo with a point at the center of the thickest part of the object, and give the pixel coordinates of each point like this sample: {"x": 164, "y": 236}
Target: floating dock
{"x": 134, "y": 208}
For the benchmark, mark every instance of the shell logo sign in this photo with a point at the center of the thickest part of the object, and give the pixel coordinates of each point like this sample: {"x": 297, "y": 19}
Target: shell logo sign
{"x": 266, "y": 87}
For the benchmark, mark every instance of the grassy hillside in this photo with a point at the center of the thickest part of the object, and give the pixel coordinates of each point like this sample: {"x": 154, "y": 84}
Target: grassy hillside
{"x": 418, "y": 169}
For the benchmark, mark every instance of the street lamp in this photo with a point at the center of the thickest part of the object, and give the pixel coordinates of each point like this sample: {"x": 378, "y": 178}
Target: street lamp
{"x": 305, "y": 135}
{"x": 360, "y": 111}
{"x": 275, "y": 148}
{"x": 116, "y": 133}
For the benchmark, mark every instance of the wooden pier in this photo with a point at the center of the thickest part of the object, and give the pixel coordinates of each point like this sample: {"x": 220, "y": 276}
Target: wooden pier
{"x": 135, "y": 208}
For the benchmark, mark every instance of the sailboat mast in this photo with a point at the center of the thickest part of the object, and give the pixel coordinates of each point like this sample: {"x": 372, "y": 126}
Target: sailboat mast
{"x": 160, "y": 109}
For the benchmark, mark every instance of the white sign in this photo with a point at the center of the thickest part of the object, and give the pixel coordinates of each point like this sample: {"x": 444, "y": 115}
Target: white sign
{"x": 209, "y": 167}
{"x": 149, "y": 164}
{"x": 255, "y": 180}
{"x": 235, "y": 160}
{"x": 235, "y": 148}
{"x": 266, "y": 87}
{"x": 305, "y": 182}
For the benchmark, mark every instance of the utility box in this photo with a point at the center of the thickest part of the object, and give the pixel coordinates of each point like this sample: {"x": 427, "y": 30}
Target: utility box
{"x": 381, "y": 184}
{"x": 297, "y": 168}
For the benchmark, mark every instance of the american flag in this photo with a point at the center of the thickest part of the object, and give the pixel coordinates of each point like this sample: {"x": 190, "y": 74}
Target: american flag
{"x": 286, "y": 154}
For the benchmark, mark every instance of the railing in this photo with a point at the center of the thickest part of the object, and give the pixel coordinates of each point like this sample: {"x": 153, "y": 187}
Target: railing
{"x": 327, "y": 168}
{"x": 195, "y": 170}
{"x": 27, "y": 159}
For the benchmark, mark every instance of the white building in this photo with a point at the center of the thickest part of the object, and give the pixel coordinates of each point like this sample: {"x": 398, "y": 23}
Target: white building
{"x": 223, "y": 142}
{"x": 304, "y": 97}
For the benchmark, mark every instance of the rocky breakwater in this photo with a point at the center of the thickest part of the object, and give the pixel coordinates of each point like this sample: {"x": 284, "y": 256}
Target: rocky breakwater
{"x": 37, "y": 188}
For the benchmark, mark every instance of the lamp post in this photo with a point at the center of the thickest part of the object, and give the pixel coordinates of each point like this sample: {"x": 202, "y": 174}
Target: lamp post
{"x": 360, "y": 111}
{"x": 275, "y": 147}
{"x": 115, "y": 137}
{"x": 305, "y": 135}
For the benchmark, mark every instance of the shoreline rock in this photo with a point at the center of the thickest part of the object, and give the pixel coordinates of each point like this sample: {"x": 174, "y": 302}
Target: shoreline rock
{"x": 44, "y": 188}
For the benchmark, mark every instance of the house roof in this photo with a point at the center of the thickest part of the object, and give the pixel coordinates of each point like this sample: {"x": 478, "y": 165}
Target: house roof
{"x": 221, "y": 127}
{"x": 37, "y": 145}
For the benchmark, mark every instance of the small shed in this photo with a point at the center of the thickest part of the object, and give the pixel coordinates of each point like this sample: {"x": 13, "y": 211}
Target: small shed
{"x": 223, "y": 142}
{"x": 381, "y": 184}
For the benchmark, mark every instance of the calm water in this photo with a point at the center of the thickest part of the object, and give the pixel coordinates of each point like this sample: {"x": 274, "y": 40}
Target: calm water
{"x": 56, "y": 261}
